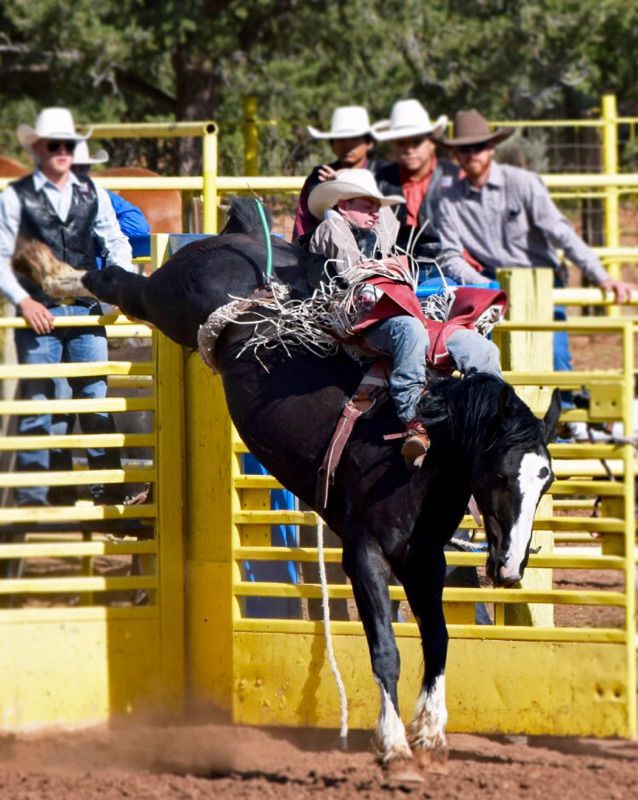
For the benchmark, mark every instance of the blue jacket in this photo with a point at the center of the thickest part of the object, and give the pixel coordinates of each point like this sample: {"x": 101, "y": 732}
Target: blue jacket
{"x": 133, "y": 224}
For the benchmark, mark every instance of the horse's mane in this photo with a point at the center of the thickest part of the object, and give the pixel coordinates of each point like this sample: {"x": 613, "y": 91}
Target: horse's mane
{"x": 481, "y": 411}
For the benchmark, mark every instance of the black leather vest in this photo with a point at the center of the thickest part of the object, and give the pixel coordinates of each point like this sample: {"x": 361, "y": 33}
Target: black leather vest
{"x": 389, "y": 181}
{"x": 71, "y": 241}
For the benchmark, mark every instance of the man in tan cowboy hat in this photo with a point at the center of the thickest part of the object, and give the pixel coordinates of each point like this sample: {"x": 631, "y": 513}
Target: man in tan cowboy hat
{"x": 503, "y": 215}
{"x": 66, "y": 214}
{"x": 357, "y": 234}
{"x": 500, "y": 215}
{"x": 351, "y": 141}
{"x": 416, "y": 174}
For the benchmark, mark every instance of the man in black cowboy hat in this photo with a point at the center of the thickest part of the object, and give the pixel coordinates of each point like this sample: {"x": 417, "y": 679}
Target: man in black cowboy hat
{"x": 503, "y": 215}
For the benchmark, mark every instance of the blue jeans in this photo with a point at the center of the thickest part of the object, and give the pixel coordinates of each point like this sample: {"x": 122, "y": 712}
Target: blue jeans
{"x": 562, "y": 352}
{"x": 407, "y": 341}
{"x": 62, "y": 345}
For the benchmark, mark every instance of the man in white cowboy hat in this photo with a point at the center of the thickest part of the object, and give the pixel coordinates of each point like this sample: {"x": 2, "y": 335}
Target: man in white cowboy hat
{"x": 501, "y": 215}
{"x": 68, "y": 214}
{"x": 417, "y": 174}
{"x": 351, "y": 141}
{"x": 130, "y": 218}
{"x": 388, "y": 315}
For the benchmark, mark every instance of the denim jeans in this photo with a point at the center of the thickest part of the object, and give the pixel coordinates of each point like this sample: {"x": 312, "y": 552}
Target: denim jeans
{"x": 62, "y": 345}
{"x": 562, "y": 352}
{"x": 407, "y": 341}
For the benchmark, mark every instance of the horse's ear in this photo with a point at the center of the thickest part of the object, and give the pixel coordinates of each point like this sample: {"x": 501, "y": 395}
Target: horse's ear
{"x": 505, "y": 400}
{"x": 550, "y": 420}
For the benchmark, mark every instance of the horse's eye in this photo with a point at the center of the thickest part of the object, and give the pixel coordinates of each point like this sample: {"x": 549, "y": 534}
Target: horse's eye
{"x": 544, "y": 473}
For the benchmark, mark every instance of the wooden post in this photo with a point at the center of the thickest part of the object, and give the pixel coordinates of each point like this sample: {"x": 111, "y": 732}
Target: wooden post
{"x": 530, "y": 299}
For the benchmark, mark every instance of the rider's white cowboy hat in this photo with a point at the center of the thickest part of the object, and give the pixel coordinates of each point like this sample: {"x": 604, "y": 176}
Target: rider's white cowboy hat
{"x": 348, "y": 122}
{"x": 82, "y": 157}
{"x": 51, "y": 123}
{"x": 349, "y": 183}
{"x": 408, "y": 118}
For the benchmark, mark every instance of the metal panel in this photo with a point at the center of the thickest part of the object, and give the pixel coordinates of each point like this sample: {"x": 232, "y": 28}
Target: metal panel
{"x": 492, "y": 686}
{"x": 61, "y": 670}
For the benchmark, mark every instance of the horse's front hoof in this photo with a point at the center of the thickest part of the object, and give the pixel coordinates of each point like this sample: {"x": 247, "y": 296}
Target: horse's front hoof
{"x": 432, "y": 761}
{"x": 403, "y": 772}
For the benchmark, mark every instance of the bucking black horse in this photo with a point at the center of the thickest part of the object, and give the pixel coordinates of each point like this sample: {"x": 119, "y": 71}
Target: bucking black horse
{"x": 485, "y": 442}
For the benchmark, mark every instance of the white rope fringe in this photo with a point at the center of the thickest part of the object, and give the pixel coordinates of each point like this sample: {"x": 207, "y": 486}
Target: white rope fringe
{"x": 325, "y": 603}
{"x": 330, "y": 314}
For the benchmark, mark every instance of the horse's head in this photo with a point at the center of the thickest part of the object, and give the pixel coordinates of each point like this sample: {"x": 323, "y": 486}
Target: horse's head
{"x": 508, "y": 480}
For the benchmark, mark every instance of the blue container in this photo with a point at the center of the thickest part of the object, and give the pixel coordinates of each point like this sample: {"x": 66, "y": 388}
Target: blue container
{"x": 435, "y": 286}
{"x": 177, "y": 240}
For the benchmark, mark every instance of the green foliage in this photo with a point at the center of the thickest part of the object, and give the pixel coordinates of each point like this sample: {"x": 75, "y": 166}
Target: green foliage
{"x": 139, "y": 59}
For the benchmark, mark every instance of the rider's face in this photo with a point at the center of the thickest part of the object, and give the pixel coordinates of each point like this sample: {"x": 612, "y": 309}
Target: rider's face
{"x": 362, "y": 212}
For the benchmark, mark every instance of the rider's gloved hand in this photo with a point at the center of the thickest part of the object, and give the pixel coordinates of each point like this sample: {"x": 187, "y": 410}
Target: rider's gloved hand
{"x": 367, "y": 297}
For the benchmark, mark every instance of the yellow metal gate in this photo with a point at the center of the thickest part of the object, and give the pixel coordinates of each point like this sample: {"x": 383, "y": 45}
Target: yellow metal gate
{"x": 92, "y": 624}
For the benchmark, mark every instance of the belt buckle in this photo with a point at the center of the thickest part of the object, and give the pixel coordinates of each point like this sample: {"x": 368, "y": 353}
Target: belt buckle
{"x": 66, "y": 301}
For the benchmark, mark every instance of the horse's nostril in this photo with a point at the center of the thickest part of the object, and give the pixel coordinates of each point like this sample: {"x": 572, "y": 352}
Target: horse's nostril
{"x": 507, "y": 576}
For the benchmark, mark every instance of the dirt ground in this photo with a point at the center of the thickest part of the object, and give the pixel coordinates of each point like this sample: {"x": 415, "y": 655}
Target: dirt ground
{"x": 212, "y": 760}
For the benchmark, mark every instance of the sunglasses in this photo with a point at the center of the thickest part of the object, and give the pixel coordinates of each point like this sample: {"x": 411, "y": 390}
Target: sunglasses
{"x": 53, "y": 145}
{"x": 467, "y": 149}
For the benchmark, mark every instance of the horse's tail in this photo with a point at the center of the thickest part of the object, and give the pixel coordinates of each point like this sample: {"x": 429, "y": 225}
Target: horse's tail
{"x": 115, "y": 285}
{"x": 244, "y": 216}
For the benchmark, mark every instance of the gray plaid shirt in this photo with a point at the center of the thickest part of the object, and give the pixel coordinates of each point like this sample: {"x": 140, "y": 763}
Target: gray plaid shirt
{"x": 511, "y": 221}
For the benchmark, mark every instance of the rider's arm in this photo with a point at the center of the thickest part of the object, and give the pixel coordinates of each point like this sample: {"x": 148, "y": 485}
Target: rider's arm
{"x": 334, "y": 240}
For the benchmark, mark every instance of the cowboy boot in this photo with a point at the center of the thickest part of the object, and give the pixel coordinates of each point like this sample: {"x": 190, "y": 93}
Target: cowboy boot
{"x": 416, "y": 445}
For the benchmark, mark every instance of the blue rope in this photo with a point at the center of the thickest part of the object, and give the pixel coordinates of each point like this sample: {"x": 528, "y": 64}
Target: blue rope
{"x": 264, "y": 223}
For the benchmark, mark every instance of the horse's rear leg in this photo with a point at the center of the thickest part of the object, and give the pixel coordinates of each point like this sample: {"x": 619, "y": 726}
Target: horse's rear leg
{"x": 119, "y": 287}
{"x": 423, "y": 575}
{"x": 368, "y": 571}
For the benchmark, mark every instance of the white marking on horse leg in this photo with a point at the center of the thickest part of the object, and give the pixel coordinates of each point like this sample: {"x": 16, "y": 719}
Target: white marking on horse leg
{"x": 532, "y": 477}
{"x": 390, "y": 737}
{"x": 427, "y": 729}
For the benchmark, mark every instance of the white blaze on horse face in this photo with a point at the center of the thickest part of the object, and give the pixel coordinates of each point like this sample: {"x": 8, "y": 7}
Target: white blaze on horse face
{"x": 390, "y": 737}
{"x": 427, "y": 729}
{"x": 533, "y": 476}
